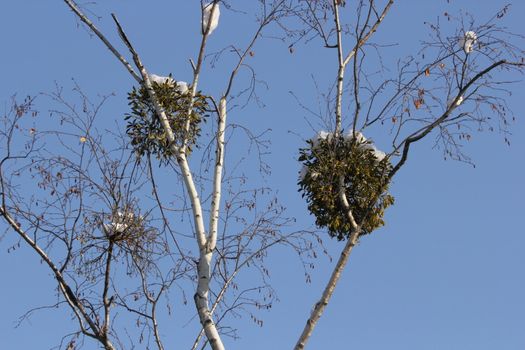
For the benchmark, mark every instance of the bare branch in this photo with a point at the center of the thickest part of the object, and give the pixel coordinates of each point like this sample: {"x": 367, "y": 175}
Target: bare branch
{"x": 74, "y": 7}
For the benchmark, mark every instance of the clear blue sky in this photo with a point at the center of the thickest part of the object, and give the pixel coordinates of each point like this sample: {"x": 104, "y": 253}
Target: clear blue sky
{"x": 445, "y": 273}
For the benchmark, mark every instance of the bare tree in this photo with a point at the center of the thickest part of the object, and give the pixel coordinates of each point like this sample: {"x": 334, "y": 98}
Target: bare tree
{"x": 455, "y": 83}
{"x": 105, "y": 217}
{"x": 102, "y": 211}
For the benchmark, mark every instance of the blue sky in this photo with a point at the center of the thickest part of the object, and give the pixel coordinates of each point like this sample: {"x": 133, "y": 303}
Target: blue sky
{"x": 446, "y": 272}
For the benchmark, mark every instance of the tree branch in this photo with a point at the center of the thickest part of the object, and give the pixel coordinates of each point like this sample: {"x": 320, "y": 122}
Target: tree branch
{"x": 418, "y": 135}
{"x": 74, "y": 7}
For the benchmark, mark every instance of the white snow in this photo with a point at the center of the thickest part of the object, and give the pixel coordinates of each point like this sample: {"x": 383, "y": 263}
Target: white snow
{"x": 182, "y": 87}
{"x": 380, "y": 155}
{"x": 160, "y": 79}
{"x": 359, "y": 136}
{"x": 321, "y": 135}
{"x": 121, "y": 215}
{"x": 114, "y": 227}
{"x": 206, "y": 13}
{"x": 368, "y": 146}
{"x": 468, "y": 41}
{"x": 118, "y": 225}
{"x": 303, "y": 172}
{"x": 458, "y": 102}
{"x": 365, "y": 144}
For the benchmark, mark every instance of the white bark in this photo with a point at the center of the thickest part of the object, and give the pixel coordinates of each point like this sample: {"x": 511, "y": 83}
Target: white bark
{"x": 355, "y": 230}
{"x": 206, "y": 250}
{"x": 206, "y": 245}
{"x": 327, "y": 293}
{"x": 217, "y": 178}
{"x": 189, "y": 183}
{"x": 202, "y": 301}
{"x": 340, "y": 73}
{"x": 336, "y": 273}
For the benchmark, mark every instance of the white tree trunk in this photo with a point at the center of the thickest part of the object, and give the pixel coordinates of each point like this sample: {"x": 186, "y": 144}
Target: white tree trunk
{"x": 327, "y": 293}
{"x": 217, "y": 178}
{"x": 202, "y": 301}
{"x": 207, "y": 244}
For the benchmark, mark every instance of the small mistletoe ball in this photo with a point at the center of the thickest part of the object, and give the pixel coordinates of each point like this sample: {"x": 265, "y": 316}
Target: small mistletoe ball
{"x": 144, "y": 128}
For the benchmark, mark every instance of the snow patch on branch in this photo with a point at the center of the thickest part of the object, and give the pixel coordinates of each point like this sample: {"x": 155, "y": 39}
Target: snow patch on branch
{"x": 321, "y": 135}
{"x": 303, "y": 172}
{"x": 468, "y": 41}
{"x": 181, "y": 86}
{"x": 360, "y": 138}
{"x": 119, "y": 224}
{"x": 154, "y": 78}
{"x": 458, "y": 102}
{"x": 365, "y": 144}
{"x": 206, "y": 14}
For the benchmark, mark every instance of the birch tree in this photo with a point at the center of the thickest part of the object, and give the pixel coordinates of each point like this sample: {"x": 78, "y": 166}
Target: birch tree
{"x": 454, "y": 84}
{"x": 105, "y": 225}
{"x": 99, "y": 222}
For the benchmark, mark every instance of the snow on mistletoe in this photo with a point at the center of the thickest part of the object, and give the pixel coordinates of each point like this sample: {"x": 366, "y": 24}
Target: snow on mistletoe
{"x": 144, "y": 127}
{"x": 348, "y": 163}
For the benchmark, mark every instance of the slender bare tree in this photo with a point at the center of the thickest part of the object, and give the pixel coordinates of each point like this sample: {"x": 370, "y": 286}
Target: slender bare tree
{"x": 106, "y": 216}
{"x": 453, "y": 84}
{"x": 102, "y": 217}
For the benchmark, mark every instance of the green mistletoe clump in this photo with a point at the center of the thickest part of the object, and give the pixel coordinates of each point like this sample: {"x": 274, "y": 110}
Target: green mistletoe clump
{"x": 365, "y": 183}
{"x": 145, "y": 129}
